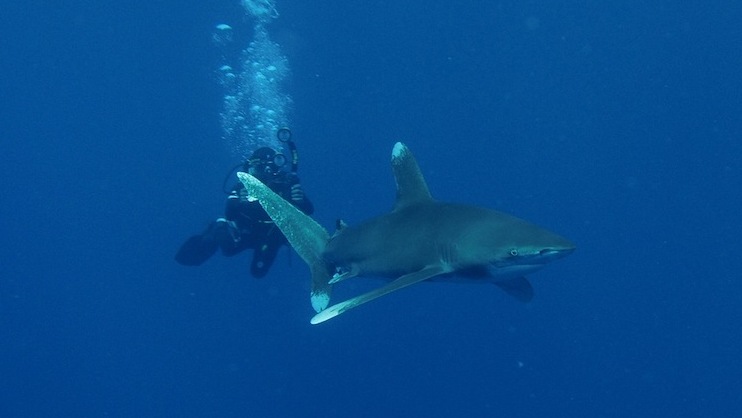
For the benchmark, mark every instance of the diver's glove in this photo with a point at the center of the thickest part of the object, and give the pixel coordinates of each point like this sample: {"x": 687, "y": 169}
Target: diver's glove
{"x": 297, "y": 193}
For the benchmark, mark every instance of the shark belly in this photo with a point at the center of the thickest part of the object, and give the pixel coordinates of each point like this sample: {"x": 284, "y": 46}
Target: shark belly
{"x": 389, "y": 246}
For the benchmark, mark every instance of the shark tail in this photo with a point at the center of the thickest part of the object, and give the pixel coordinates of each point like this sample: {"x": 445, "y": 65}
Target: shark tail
{"x": 306, "y": 236}
{"x": 321, "y": 289}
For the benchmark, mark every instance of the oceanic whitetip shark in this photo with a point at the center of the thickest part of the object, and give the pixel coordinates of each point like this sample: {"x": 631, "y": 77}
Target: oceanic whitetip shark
{"x": 420, "y": 239}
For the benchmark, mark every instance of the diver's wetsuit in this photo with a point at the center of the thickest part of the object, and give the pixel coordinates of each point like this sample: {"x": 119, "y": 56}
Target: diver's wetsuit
{"x": 245, "y": 225}
{"x": 255, "y": 227}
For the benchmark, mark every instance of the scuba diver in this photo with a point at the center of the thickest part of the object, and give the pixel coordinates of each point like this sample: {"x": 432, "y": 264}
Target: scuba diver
{"x": 245, "y": 224}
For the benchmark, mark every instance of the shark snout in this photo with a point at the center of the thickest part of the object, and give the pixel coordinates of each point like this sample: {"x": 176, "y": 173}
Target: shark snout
{"x": 556, "y": 252}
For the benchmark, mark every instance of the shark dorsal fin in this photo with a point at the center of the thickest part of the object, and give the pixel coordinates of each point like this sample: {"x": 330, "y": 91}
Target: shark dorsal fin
{"x": 411, "y": 186}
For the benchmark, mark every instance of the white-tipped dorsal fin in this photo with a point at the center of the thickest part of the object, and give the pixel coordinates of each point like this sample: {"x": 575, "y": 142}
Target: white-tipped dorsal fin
{"x": 411, "y": 186}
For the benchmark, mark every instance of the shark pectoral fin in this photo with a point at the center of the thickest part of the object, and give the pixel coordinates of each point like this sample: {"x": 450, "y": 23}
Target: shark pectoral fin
{"x": 518, "y": 287}
{"x": 404, "y": 281}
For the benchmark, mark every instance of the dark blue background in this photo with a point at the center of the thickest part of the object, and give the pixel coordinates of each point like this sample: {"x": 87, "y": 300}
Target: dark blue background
{"x": 616, "y": 124}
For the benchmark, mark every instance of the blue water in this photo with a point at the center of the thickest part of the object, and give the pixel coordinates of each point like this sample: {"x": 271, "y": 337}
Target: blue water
{"x": 615, "y": 124}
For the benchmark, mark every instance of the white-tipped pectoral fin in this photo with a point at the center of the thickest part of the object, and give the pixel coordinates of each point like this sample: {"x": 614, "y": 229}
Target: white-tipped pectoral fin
{"x": 333, "y": 311}
{"x": 404, "y": 281}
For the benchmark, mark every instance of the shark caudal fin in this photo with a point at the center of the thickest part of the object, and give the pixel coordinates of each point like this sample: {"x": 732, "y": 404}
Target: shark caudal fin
{"x": 307, "y": 237}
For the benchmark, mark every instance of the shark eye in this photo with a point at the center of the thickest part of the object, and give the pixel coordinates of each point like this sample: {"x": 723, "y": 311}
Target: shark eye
{"x": 513, "y": 252}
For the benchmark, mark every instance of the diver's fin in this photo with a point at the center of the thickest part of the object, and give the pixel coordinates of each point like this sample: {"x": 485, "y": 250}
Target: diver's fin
{"x": 519, "y": 287}
{"x": 404, "y": 281}
{"x": 307, "y": 237}
{"x": 196, "y": 250}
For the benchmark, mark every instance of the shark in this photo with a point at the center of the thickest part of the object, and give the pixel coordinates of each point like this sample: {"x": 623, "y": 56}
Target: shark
{"x": 420, "y": 239}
